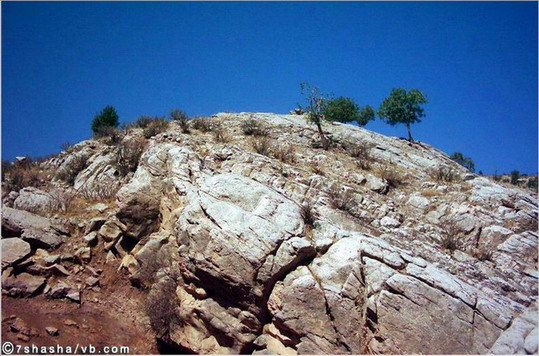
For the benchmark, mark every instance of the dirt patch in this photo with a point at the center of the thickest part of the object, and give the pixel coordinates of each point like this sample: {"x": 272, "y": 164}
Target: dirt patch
{"x": 111, "y": 316}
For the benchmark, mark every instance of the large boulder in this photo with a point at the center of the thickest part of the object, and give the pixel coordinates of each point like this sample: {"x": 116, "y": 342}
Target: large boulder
{"x": 14, "y": 250}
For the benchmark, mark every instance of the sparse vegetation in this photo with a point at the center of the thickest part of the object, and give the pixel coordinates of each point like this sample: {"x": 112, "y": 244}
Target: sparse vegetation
{"x": 308, "y": 213}
{"x": 392, "y": 177}
{"x": 450, "y": 238}
{"x": 155, "y": 127}
{"x": 61, "y": 201}
{"x": 202, "y": 124}
{"x": 71, "y": 169}
{"x": 284, "y": 153}
{"x": 361, "y": 151}
{"x": 111, "y": 136}
{"x": 483, "y": 253}
{"x": 252, "y": 127}
{"x": 219, "y": 133}
{"x": 515, "y": 176}
{"x": 98, "y": 193}
{"x": 127, "y": 156}
{"x": 444, "y": 174}
{"x": 403, "y": 107}
{"x": 262, "y": 146}
{"x": 464, "y": 161}
{"x": 161, "y": 305}
{"x": 532, "y": 183}
{"x": 181, "y": 118}
{"x": 104, "y": 120}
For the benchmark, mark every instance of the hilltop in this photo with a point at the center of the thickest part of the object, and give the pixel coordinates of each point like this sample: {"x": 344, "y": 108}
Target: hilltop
{"x": 240, "y": 234}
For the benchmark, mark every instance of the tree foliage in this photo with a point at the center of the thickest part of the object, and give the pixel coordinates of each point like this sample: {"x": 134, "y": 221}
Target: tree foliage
{"x": 403, "y": 107}
{"x": 343, "y": 109}
{"x": 106, "y": 119}
{"x": 464, "y": 161}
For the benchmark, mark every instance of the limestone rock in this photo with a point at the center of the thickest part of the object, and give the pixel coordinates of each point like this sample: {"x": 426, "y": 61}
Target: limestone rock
{"x": 14, "y": 250}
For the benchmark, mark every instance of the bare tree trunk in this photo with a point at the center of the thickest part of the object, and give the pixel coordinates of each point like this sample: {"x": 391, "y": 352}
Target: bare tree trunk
{"x": 325, "y": 142}
{"x": 409, "y": 133}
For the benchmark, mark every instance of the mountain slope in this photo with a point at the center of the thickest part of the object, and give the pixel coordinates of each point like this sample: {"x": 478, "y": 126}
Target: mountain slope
{"x": 268, "y": 244}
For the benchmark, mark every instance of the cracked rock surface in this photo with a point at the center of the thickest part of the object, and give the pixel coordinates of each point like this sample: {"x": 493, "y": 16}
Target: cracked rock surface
{"x": 220, "y": 232}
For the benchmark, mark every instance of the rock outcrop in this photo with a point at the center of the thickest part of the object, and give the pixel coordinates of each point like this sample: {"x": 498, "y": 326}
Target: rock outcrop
{"x": 303, "y": 253}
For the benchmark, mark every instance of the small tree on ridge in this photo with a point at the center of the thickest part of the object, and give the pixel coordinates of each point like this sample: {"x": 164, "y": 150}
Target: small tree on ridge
{"x": 403, "y": 107}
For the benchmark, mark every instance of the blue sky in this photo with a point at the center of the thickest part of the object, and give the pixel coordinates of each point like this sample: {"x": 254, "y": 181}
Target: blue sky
{"x": 476, "y": 61}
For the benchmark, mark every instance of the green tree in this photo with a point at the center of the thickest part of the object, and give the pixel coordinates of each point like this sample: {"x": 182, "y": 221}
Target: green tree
{"x": 343, "y": 109}
{"x": 403, "y": 107}
{"x": 464, "y": 161}
{"x": 515, "y": 175}
{"x": 103, "y": 121}
{"x": 319, "y": 108}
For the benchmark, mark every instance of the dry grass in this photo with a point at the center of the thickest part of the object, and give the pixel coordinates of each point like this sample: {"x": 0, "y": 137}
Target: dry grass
{"x": 428, "y": 193}
{"x": 155, "y": 127}
{"x": 252, "y": 127}
{"x": 451, "y": 237}
{"x": 99, "y": 193}
{"x": 262, "y": 146}
{"x": 128, "y": 155}
{"x": 392, "y": 177}
{"x": 202, "y": 124}
{"x": 444, "y": 175}
{"x": 361, "y": 152}
{"x": 219, "y": 133}
{"x": 308, "y": 214}
{"x": 284, "y": 153}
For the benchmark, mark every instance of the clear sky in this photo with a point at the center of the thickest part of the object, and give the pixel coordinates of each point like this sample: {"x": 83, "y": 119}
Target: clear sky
{"x": 476, "y": 61}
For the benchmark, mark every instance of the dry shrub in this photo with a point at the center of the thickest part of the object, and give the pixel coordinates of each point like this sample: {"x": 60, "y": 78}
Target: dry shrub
{"x": 69, "y": 172}
{"x": 262, "y": 146}
{"x": 161, "y": 304}
{"x": 308, "y": 213}
{"x": 341, "y": 199}
{"x": 110, "y": 135}
{"x": 285, "y": 153}
{"x": 202, "y": 124}
{"x": 252, "y": 127}
{"x": 181, "y": 118}
{"x": 444, "y": 174}
{"x": 392, "y": 177}
{"x": 360, "y": 151}
{"x": 101, "y": 192}
{"x": 21, "y": 177}
{"x": 450, "y": 237}
{"x": 128, "y": 155}
{"x": 61, "y": 201}
{"x": 219, "y": 133}
{"x": 144, "y": 121}
{"x": 155, "y": 127}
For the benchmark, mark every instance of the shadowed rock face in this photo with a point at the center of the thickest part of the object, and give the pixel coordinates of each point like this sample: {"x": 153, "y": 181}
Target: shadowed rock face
{"x": 226, "y": 228}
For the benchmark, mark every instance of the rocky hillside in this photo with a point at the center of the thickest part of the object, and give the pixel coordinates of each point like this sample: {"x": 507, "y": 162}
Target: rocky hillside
{"x": 243, "y": 236}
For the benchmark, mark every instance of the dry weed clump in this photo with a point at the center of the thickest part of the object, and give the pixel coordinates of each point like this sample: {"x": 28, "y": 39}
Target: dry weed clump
{"x": 308, "y": 214}
{"x": 61, "y": 201}
{"x": 444, "y": 175}
{"x": 451, "y": 237}
{"x": 182, "y": 119}
{"x": 99, "y": 193}
{"x": 155, "y": 127}
{"x": 284, "y": 153}
{"x": 252, "y": 127}
{"x": 262, "y": 146}
{"x": 360, "y": 151}
{"x": 128, "y": 155}
{"x": 219, "y": 133}
{"x": 392, "y": 177}
{"x": 202, "y": 124}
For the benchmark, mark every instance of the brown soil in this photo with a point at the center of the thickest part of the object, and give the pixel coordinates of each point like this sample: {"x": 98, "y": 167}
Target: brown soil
{"x": 112, "y": 315}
